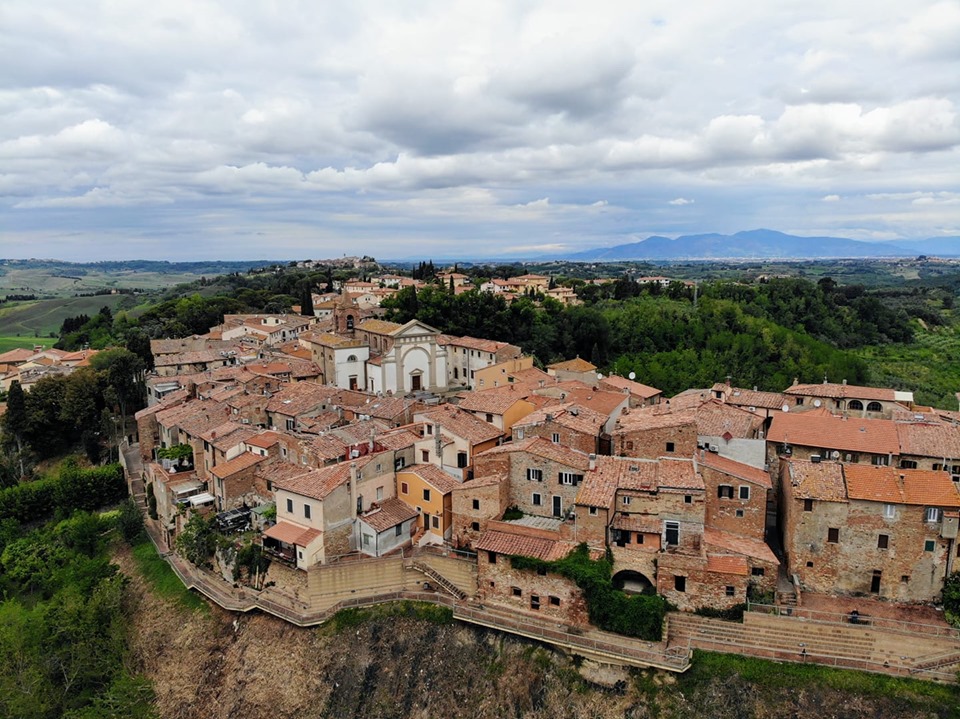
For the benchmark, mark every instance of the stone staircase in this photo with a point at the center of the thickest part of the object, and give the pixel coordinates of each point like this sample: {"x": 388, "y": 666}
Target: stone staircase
{"x": 439, "y": 580}
{"x": 936, "y": 662}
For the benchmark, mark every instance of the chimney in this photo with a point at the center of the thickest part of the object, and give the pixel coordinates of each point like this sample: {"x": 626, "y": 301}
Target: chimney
{"x": 592, "y": 459}
{"x": 373, "y": 434}
{"x": 438, "y": 446}
{"x": 844, "y": 381}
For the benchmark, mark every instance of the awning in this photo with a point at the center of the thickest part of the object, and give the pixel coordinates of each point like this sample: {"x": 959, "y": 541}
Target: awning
{"x": 204, "y": 498}
{"x": 290, "y": 533}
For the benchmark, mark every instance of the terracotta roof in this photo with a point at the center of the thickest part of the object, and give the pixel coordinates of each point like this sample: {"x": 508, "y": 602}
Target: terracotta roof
{"x": 571, "y": 415}
{"x": 736, "y": 469}
{"x": 432, "y": 475}
{"x": 399, "y": 439}
{"x": 745, "y": 546}
{"x": 688, "y": 399}
{"x": 927, "y": 439}
{"x": 636, "y": 389}
{"x": 488, "y": 481}
{"x": 494, "y": 401}
{"x": 752, "y": 398}
{"x": 358, "y": 432}
{"x": 192, "y": 357}
{"x": 388, "y": 515}
{"x": 319, "y": 483}
{"x": 237, "y": 464}
{"x": 725, "y": 564}
{"x": 290, "y": 533}
{"x": 520, "y": 545}
{"x": 380, "y": 327}
{"x": 462, "y": 424}
{"x": 606, "y": 403}
{"x": 474, "y": 343}
{"x": 678, "y": 474}
{"x": 656, "y": 417}
{"x": 16, "y": 356}
{"x": 832, "y": 390}
{"x": 817, "y": 480}
{"x": 576, "y": 364}
{"x": 327, "y": 447}
{"x": 386, "y": 407}
{"x": 822, "y": 430}
{"x": 300, "y": 398}
{"x": 264, "y": 440}
{"x": 901, "y": 486}
{"x": 543, "y": 448}
{"x": 715, "y": 419}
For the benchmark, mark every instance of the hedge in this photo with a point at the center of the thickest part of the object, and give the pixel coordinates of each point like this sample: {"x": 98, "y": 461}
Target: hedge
{"x": 74, "y": 488}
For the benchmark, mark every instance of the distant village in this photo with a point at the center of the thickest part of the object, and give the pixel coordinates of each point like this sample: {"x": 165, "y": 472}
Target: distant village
{"x": 344, "y": 435}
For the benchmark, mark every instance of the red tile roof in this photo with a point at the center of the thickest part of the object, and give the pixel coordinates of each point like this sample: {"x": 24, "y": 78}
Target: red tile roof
{"x": 290, "y": 533}
{"x": 725, "y": 564}
{"x": 636, "y": 389}
{"x": 432, "y": 475}
{"x": 388, "y": 515}
{"x": 816, "y": 480}
{"x": 929, "y": 439}
{"x": 901, "y": 486}
{"x": 461, "y": 423}
{"x": 576, "y": 364}
{"x": 237, "y": 464}
{"x": 745, "y": 546}
{"x": 543, "y": 448}
{"x": 833, "y": 390}
{"x": 523, "y": 546}
{"x": 822, "y": 430}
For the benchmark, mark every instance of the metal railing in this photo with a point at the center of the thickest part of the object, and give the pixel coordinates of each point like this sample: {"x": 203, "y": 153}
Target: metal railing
{"x": 885, "y": 623}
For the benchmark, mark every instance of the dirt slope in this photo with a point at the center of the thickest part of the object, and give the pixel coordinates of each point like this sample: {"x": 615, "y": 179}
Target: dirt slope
{"x": 220, "y": 666}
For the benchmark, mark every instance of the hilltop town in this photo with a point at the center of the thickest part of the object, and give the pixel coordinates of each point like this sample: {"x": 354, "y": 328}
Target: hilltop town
{"x": 323, "y": 440}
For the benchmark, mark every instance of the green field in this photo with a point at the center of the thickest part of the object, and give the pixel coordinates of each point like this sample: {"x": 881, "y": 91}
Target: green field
{"x": 40, "y": 319}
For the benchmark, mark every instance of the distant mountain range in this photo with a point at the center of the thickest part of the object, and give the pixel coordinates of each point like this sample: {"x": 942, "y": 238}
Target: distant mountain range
{"x": 765, "y": 244}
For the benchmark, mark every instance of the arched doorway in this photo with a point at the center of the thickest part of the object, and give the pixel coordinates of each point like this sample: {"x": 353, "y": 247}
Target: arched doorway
{"x": 632, "y": 582}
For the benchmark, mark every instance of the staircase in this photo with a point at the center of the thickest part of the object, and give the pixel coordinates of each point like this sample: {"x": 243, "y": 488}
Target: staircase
{"x": 439, "y": 580}
{"x": 935, "y": 662}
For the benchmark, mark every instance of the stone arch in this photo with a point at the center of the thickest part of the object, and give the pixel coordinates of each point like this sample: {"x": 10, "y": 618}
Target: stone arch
{"x": 633, "y": 582}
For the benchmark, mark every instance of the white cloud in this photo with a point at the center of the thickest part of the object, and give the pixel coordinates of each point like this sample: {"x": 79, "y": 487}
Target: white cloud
{"x": 831, "y": 198}
{"x": 382, "y": 122}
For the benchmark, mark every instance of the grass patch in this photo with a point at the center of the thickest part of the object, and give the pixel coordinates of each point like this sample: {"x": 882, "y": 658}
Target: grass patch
{"x": 12, "y": 343}
{"x": 162, "y": 578}
{"x": 36, "y": 320}
{"x": 763, "y": 673}
{"x": 423, "y": 611}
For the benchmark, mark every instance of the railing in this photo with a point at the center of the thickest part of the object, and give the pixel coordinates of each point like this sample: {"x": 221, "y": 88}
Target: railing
{"x": 893, "y": 625}
{"x": 803, "y": 655}
{"x": 647, "y": 653}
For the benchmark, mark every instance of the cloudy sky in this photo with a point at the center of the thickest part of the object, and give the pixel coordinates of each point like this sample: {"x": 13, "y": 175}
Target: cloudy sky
{"x": 244, "y": 129}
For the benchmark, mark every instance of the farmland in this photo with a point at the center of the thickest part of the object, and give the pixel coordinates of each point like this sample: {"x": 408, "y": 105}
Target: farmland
{"x": 23, "y": 323}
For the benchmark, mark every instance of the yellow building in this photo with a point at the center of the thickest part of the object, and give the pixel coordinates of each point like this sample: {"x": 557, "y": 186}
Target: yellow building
{"x": 427, "y": 488}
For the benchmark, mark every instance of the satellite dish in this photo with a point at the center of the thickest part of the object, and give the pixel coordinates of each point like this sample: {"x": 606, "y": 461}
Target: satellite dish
{"x": 632, "y": 375}
{"x": 835, "y": 454}
{"x": 817, "y": 403}
{"x": 599, "y": 375}
{"x": 785, "y": 408}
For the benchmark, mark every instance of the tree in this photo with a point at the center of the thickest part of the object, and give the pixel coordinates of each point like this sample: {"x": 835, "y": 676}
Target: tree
{"x": 122, "y": 370}
{"x": 197, "y": 541}
{"x": 15, "y": 419}
{"x": 306, "y": 301}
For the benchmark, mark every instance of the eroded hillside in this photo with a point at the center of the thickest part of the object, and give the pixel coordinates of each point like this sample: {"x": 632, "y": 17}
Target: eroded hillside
{"x": 218, "y": 666}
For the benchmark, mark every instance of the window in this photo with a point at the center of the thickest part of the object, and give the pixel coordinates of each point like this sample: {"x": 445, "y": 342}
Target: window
{"x": 883, "y": 541}
{"x": 475, "y": 526}
{"x": 626, "y": 500}
{"x": 739, "y": 513}
{"x": 810, "y": 565}
{"x": 429, "y": 429}
{"x": 688, "y": 499}
{"x": 932, "y": 515}
{"x": 489, "y": 417}
{"x": 425, "y": 455}
{"x": 744, "y": 491}
{"x": 404, "y": 488}
{"x": 436, "y": 521}
{"x": 639, "y": 538}
{"x": 680, "y": 583}
{"x": 426, "y": 495}
{"x": 516, "y": 591}
{"x": 399, "y": 530}
{"x": 730, "y": 591}
{"x": 833, "y": 535}
{"x": 379, "y": 493}
{"x": 725, "y": 491}
{"x": 366, "y": 540}
{"x": 537, "y": 499}
{"x": 855, "y": 404}
{"x": 542, "y": 571}
{"x": 534, "y": 475}
{"x": 908, "y": 464}
{"x": 904, "y": 578}
{"x": 670, "y": 446}
{"x": 534, "y": 601}
{"x": 492, "y": 557}
{"x": 593, "y": 511}
{"x": 556, "y": 438}
{"x": 570, "y": 479}
{"x": 290, "y": 506}
{"x": 929, "y": 545}
{"x": 889, "y": 511}
{"x": 880, "y": 460}
{"x": 461, "y": 460}
{"x": 672, "y": 533}
{"x": 874, "y": 407}
{"x": 808, "y": 505}
{"x": 306, "y": 511}
{"x": 555, "y": 601}
{"x": 291, "y": 423}
{"x": 476, "y": 504}
{"x": 756, "y": 571}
